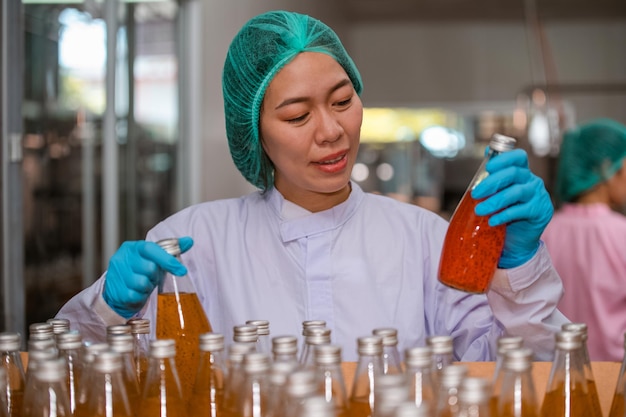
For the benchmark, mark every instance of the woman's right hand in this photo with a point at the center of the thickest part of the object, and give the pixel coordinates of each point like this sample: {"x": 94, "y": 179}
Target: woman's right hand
{"x": 134, "y": 270}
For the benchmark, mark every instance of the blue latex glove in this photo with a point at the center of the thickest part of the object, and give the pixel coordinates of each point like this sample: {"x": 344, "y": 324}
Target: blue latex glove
{"x": 134, "y": 270}
{"x": 520, "y": 200}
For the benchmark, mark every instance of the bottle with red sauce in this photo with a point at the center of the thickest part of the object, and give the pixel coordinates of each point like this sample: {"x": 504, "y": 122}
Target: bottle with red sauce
{"x": 472, "y": 248}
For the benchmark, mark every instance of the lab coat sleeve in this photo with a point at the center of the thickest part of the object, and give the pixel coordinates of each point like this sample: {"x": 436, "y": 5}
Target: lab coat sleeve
{"x": 524, "y": 300}
{"x": 89, "y": 313}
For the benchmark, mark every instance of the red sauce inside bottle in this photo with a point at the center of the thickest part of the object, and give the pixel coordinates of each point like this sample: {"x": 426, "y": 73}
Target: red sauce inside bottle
{"x": 471, "y": 249}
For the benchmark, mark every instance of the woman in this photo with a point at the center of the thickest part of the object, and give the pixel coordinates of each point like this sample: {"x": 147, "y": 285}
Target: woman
{"x": 587, "y": 237}
{"x": 310, "y": 244}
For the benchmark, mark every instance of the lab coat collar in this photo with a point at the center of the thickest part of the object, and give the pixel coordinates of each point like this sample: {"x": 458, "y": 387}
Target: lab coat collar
{"x": 296, "y": 222}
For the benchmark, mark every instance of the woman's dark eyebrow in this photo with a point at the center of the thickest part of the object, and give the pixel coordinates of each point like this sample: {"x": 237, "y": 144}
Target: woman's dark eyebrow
{"x": 292, "y": 100}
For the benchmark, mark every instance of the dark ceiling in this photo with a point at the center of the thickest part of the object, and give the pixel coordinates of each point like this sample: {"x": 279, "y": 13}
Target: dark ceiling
{"x": 395, "y": 10}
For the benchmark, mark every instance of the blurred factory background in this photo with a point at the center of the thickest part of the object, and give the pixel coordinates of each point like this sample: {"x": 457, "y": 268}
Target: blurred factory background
{"x": 103, "y": 136}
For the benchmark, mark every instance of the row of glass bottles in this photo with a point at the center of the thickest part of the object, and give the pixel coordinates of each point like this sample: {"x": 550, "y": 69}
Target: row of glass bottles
{"x": 423, "y": 364}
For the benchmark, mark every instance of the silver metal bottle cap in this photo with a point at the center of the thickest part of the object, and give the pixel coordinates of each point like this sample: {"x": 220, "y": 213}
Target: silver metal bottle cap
{"x": 59, "y": 325}
{"x": 10, "y": 341}
{"x": 108, "y": 361}
{"x": 162, "y": 348}
{"x": 389, "y": 335}
{"x": 245, "y": 333}
{"x": 474, "y": 390}
{"x": 237, "y": 350}
{"x": 370, "y": 345}
{"x": 284, "y": 345}
{"x": 118, "y": 329}
{"x": 170, "y": 246}
{"x": 70, "y": 340}
{"x": 121, "y": 343}
{"x": 317, "y": 336}
{"x": 39, "y": 331}
{"x": 502, "y": 143}
{"x": 139, "y": 326}
{"x": 256, "y": 363}
{"x": 51, "y": 370}
{"x": 440, "y": 345}
{"x": 419, "y": 357}
{"x": 211, "y": 342}
{"x": 327, "y": 354}
{"x": 312, "y": 323}
{"x": 519, "y": 359}
{"x": 263, "y": 326}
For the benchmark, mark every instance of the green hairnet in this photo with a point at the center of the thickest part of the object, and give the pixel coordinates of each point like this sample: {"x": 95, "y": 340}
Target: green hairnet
{"x": 264, "y": 45}
{"x": 590, "y": 154}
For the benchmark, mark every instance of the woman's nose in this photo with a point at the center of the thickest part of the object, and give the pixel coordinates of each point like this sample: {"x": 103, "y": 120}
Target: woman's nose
{"x": 329, "y": 128}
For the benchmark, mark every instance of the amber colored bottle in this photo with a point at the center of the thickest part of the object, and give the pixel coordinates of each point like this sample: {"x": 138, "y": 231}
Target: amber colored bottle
{"x": 4, "y": 408}
{"x": 617, "y": 405}
{"x": 124, "y": 345}
{"x": 180, "y": 317}
{"x": 162, "y": 395}
{"x": 472, "y": 247}
{"x": 567, "y": 393}
{"x": 11, "y": 361}
{"x": 448, "y": 396}
{"x": 51, "y": 397}
{"x": 504, "y": 344}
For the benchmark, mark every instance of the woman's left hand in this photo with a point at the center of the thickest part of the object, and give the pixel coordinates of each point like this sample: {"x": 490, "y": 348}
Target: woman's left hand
{"x": 518, "y": 198}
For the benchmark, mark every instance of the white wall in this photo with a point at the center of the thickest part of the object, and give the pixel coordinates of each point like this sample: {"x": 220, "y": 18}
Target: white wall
{"x": 420, "y": 64}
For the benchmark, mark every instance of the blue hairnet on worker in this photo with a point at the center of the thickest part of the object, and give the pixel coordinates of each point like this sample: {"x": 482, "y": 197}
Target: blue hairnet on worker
{"x": 310, "y": 244}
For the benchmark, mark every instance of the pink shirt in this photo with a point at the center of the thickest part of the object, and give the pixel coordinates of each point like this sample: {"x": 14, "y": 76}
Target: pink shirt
{"x": 587, "y": 244}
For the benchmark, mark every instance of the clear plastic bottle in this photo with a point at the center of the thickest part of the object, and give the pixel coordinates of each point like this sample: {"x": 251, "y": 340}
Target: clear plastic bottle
{"x": 315, "y": 336}
{"x": 124, "y": 344}
{"x": 51, "y": 398}
{"x": 567, "y": 392}
{"x": 180, "y": 317}
{"x": 70, "y": 345}
{"x": 392, "y": 364}
{"x": 419, "y": 371}
{"x": 449, "y": 383}
{"x": 504, "y": 344}
{"x": 472, "y": 247}
{"x": 617, "y": 404}
{"x": 474, "y": 395}
{"x": 369, "y": 367}
{"x": 207, "y": 399}
{"x": 517, "y": 396}
{"x": 106, "y": 394}
{"x": 140, "y": 330}
{"x": 285, "y": 348}
{"x": 330, "y": 375}
{"x": 162, "y": 395}
{"x": 591, "y": 381}
{"x": 263, "y": 332}
{"x": 11, "y": 361}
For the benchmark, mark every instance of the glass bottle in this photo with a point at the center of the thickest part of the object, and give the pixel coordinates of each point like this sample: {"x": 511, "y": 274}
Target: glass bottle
{"x": 419, "y": 371}
{"x": 369, "y": 367}
{"x": 51, "y": 399}
{"x": 235, "y": 375}
{"x": 448, "y": 396}
{"x": 472, "y": 247}
{"x": 392, "y": 364}
{"x": 285, "y": 349}
{"x": 442, "y": 348}
{"x": 567, "y": 392}
{"x": 180, "y": 317}
{"x": 263, "y": 332}
{"x": 4, "y": 407}
{"x": 59, "y": 326}
{"x": 504, "y": 344}
{"x": 301, "y": 385}
{"x": 591, "y": 382}
{"x": 517, "y": 396}
{"x": 278, "y": 374}
{"x": 11, "y": 362}
{"x": 124, "y": 345}
{"x": 390, "y": 390}
{"x": 254, "y": 393}
{"x": 106, "y": 394}
{"x": 330, "y": 375}
{"x": 617, "y": 404}
{"x": 315, "y": 336}
{"x": 474, "y": 395}
{"x": 246, "y": 333}
{"x": 89, "y": 356}
{"x": 70, "y": 346}
{"x": 162, "y": 395}
{"x": 140, "y": 330}
{"x": 305, "y": 325}
{"x": 408, "y": 409}
{"x": 207, "y": 399}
